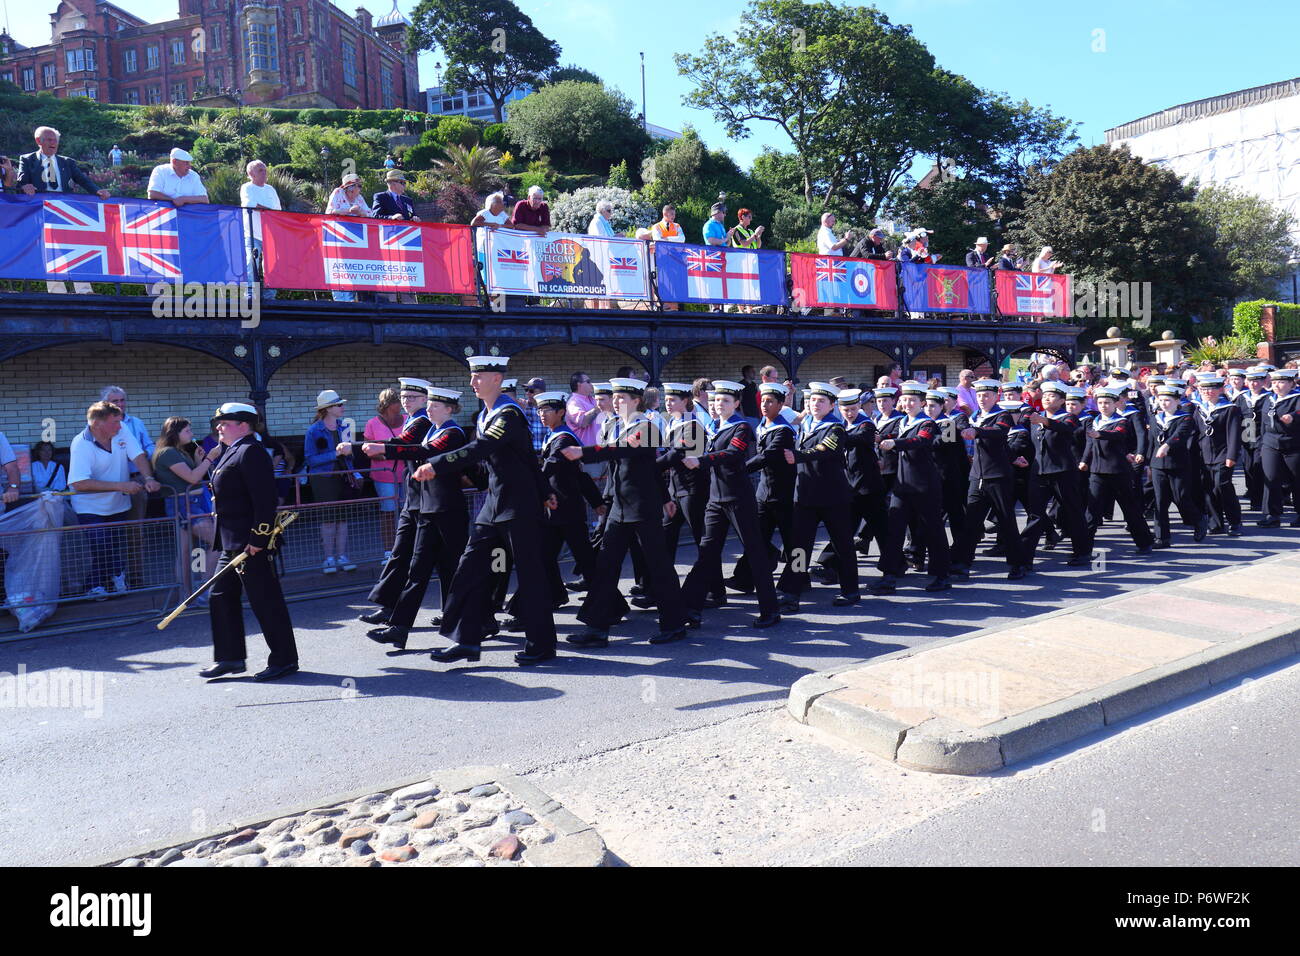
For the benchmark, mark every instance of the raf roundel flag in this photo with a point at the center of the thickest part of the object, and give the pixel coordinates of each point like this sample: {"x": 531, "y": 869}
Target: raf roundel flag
{"x": 933, "y": 288}
{"x": 719, "y": 274}
{"x": 824, "y": 281}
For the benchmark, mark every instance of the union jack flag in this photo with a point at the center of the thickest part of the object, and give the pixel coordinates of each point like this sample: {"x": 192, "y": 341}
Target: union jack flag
{"x": 110, "y": 239}
{"x": 623, "y": 263}
{"x": 512, "y": 257}
{"x": 359, "y": 240}
{"x": 828, "y": 270}
{"x": 1035, "y": 293}
{"x": 701, "y": 261}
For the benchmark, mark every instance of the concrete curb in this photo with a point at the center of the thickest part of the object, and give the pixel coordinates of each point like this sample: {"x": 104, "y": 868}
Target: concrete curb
{"x": 938, "y": 745}
{"x": 577, "y": 844}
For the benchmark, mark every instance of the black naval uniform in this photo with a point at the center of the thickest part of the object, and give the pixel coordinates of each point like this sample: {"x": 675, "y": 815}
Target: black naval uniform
{"x": 510, "y": 520}
{"x": 1110, "y": 475}
{"x": 637, "y": 495}
{"x": 685, "y": 438}
{"x": 822, "y": 496}
{"x": 1220, "y": 428}
{"x": 991, "y": 488}
{"x": 869, "y": 504}
{"x": 442, "y": 529}
{"x": 731, "y": 501}
{"x": 1171, "y": 474}
{"x": 954, "y": 468}
{"x": 1253, "y": 408}
{"x": 1280, "y": 453}
{"x": 1056, "y": 478}
{"x": 574, "y": 490}
{"x": 244, "y": 499}
{"x": 915, "y": 499}
{"x": 775, "y": 496}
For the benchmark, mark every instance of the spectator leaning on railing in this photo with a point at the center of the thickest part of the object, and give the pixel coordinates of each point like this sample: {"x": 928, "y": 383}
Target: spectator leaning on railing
{"x": 258, "y": 195}
{"x": 742, "y": 236}
{"x": 346, "y": 200}
{"x": 828, "y": 244}
{"x": 667, "y": 230}
{"x": 533, "y": 214}
{"x": 102, "y": 457}
{"x": 978, "y": 258}
{"x": 176, "y": 182}
{"x": 1044, "y": 262}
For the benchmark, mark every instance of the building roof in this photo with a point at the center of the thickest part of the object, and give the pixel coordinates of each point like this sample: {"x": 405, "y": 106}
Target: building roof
{"x": 1198, "y": 109}
{"x": 392, "y": 18}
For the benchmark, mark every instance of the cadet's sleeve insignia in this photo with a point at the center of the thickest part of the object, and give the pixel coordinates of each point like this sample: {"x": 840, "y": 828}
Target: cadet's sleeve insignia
{"x": 497, "y": 428}
{"x": 453, "y": 455}
{"x": 263, "y": 528}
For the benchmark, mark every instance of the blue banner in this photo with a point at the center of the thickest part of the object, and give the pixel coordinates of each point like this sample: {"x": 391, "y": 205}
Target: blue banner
{"x": 719, "y": 274}
{"x": 930, "y": 288}
{"x": 61, "y": 236}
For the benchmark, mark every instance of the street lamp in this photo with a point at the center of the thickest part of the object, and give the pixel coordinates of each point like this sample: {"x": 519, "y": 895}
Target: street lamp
{"x": 325, "y": 163}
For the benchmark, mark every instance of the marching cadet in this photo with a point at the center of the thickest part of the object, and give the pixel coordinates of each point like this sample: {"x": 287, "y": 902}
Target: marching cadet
{"x": 1173, "y": 461}
{"x": 731, "y": 503}
{"x": 573, "y": 489}
{"x": 1219, "y": 422}
{"x": 821, "y": 496}
{"x": 991, "y": 485}
{"x": 685, "y": 436}
{"x": 1234, "y": 383}
{"x": 861, "y": 467}
{"x": 1056, "y": 477}
{"x": 414, "y": 394}
{"x": 244, "y": 499}
{"x": 1108, "y": 458}
{"x": 1253, "y": 401}
{"x": 914, "y": 500}
{"x": 442, "y": 528}
{"x": 776, "y": 476}
{"x": 1018, "y": 443}
{"x": 639, "y": 501}
{"x": 1281, "y": 449}
{"x": 950, "y": 454}
{"x": 887, "y": 420}
{"x": 511, "y": 518}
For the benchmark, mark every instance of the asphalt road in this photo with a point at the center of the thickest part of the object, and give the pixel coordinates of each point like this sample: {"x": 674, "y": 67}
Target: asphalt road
{"x": 162, "y": 755}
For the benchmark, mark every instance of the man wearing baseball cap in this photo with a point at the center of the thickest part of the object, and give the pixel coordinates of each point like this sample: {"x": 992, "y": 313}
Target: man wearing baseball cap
{"x": 176, "y": 182}
{"x": 244, "y": 498}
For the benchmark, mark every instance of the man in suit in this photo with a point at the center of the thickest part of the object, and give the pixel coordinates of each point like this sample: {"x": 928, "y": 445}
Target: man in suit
{"x": 244, "y": 498}
{"x": 44, "y": 171}
{"x": 978, "y": 258}
{"x": 394, "y": 204}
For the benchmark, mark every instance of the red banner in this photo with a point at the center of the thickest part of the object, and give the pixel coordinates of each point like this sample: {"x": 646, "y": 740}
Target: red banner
{"x": 350, "y": 253}
{"x": 838, "y": 281}
{"x": 1033, "y": 293}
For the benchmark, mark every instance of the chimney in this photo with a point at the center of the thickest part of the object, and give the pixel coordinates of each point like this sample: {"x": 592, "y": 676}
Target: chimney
{"x": 364, "y": 20}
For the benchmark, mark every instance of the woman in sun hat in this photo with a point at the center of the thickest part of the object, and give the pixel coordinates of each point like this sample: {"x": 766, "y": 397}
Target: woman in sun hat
{"x": 331, "y": 476}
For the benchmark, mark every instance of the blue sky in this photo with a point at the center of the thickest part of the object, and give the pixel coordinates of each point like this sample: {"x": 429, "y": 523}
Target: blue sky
{"x": 1152, "y": 54}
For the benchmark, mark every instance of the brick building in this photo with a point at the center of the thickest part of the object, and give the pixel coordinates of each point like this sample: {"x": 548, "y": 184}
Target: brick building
{"x": 301, "y": 53}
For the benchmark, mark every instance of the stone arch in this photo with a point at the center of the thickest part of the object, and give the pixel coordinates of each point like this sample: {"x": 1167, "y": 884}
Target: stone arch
{"x": 59, "y": 382}
{"x": 1058, "y": 352}
{"x": 718, "y": 361}
{"x": 860, "y": 364}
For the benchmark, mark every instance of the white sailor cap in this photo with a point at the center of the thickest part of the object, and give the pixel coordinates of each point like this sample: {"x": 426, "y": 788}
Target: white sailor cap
{"x": 1120, "y": 373}
{"x": 849, "y": 396}
{"x": 1108, "y": 391}
{"x": 949, "y": 391}
{"x": 415, "y": 385}
{"x": 1056, "y": 387}
{"x": 509, "y": 384}
{"x": 821, "y": 388}
{"x": 1014, "y": 405}
{"x": 913, "y": 388}
{"x": 1280, "y": 373}
{"x": 887, "y": 392}
{"x": 1266, "y": 367}
{"x": 1236, "y": 373}
{"x": 628, "y": 386}
{"x": 443, "y": 394}
{"x": 1156, "y": 379}
{"x": 552, "y": 399}
{"x": 724, "y": 387}
{"x": 1076, "y": 393}
{"x": 603, "y": 388}
{"x": 682, "y": 390}
{"x": 988, "y": 385}
{"x": 1012, "y": 386}
{"x": 1169, "y": 391}
{"x": 236, "y": 411}
{"x": 1209, "y": 381}
{"x": 772, "y": 388}
{"x": 488, "y": 363}
{"x": 936, "y": 395}
{"x": 1257, "y": 371}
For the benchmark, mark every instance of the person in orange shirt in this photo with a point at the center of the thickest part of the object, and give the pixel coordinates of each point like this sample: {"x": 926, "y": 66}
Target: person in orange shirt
{"x": 667, "y": 230}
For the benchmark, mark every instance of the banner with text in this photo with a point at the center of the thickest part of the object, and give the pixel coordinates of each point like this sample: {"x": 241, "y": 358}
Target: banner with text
{"x": 1033, "y": 293}
{"x": 828, "y": 281}
{"x": 565, "y": 265}
{"x": 719, "y": 274}
{"x": 350, "y": 253}
{"x": 930, "y": 288}
{"x": 88, "y": 239}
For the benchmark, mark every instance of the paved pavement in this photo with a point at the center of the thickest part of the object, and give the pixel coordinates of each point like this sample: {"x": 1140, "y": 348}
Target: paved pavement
{"x": 169, "y": 755}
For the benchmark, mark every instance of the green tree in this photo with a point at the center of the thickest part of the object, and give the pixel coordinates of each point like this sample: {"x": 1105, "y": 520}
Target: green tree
{"x": 1253, "y": 234}
{"x": 1109, "y": 217}
{"x": 571, "y": 71}
{"x": 450, "y": 131}
{"x": 478, "y": 167}
{"x": 579, "y": 125}
{"x": 490, "y": 45}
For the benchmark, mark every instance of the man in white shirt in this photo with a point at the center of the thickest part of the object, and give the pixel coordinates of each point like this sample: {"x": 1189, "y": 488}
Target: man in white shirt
{"x": 9, "y": 461}
{"x": 176, "y": 182}
{"x": 827, "y": 243}
{"x": 102, "y": 458}
{"x": 258, "y": 195}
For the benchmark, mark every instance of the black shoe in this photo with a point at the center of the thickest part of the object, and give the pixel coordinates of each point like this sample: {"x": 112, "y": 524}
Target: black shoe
{"x": 960, "y": 572}
{"x": 1052, "y": 540}
{"x": 221, "y": 668}
{"x": 378, "y": 617}
{"x": 742, "y": 588}
{"x": 512, "y": 624}
{"x": 1015, "y": 574}
{"x": 714, "y": 600}
{"x": 643, "y": 602}
{"x": 997, "y": 551}
{"x": 392, "y": 634}
{"x": 788, "y": 603}
{"x": 845, "y": 600}
{"x": 275, "y": 673}
{"x": 1270, "y": 523}
{"x": 1202, "y": 529}
{"x": 1144, "y": 549}
{"x": 825, "y": 575}
{"x": 668, "y": 637}
{"x": 916, "y": 564}
{"x": 576, "y": 586}
{"x": 693, "y": 620}
{"x": 457, "y": 652}
{"x": 1235, "y": 531}
{"x": 939, "y": 584}
{"x": 436, "y": 620}
{"x": 589, "y": 637}
{"x": 636, "y": 590}
{"x": 523, "y": 658}
{"x": 770, "y": 619}
{"x": 885, "y": 585}
{"x": 1160, "y": 544}
{"x": 1079, "y": 560}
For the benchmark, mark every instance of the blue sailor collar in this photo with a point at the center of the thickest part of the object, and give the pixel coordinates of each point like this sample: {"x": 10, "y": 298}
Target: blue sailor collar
{"x": 811, "y": 425}
{"x": 765, "y": 426}
{"x": 1163, "y": 419}
{"x": 487, "y": 414}
{"x": 911, "y": 423}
